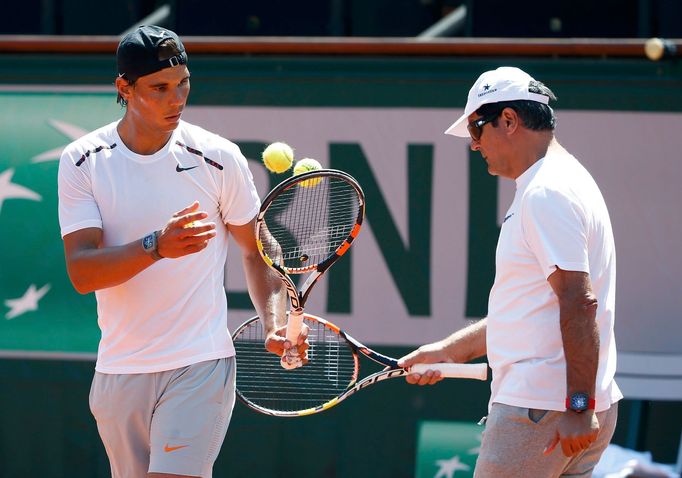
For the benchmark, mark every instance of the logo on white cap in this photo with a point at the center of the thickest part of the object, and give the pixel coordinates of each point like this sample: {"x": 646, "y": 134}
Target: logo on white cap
{"x": 506, "y": 83}
{"x": 487, "y": 90}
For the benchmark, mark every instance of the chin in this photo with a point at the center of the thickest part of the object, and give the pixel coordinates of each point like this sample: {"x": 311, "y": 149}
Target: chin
{"x": 170, "y": 126}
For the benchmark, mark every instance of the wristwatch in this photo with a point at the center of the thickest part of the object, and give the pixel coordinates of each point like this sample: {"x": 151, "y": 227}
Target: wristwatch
{"x": 579, "y": 402}
{"x": 150, "y": 245}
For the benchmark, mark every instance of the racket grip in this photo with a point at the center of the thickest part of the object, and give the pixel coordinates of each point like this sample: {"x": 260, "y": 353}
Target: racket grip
{"x": 291, "y": 358}
{"x": 476, "y": 371}
{"x": 294, "y": 326}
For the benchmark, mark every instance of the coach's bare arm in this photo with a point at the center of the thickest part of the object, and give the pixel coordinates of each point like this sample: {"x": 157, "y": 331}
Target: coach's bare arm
{"x": 91, "y": 266}
{"x": 464, "y": 345}
{"x": 580, "y": 337}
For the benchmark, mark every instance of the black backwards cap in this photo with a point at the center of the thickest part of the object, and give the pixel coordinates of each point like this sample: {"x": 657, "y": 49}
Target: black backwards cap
{"x": 138, "y": 53}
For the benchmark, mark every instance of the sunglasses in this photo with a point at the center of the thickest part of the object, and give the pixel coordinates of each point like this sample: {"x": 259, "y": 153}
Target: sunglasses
{"x": 476, "y": 127}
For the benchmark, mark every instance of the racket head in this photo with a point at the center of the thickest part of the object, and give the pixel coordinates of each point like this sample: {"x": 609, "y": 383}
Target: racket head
{"x": 309, "y": 221}
{"x": 263, "y": 385}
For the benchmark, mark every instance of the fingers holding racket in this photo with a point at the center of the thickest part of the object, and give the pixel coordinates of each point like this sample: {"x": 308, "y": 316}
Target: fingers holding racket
{"x": 296, "y": 344}
{"x": 278, "y": 344}
{"x": 427, "y": 366}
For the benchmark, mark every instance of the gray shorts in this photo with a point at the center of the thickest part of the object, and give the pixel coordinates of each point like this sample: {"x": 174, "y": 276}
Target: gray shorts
{"x": 514, "y": 439}
{"x": 166, "y": 422}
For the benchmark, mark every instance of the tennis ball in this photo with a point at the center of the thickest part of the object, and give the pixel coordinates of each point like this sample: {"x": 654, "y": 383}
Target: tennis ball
{"x": 654, "y": 49}
{"x": 278, "y": 157}
{"x": 305, "y": 165}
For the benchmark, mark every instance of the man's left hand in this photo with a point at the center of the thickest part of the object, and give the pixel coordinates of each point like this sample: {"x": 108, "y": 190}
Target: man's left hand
{"x": 277, "y": 343}
{"x": 575, "y": 431}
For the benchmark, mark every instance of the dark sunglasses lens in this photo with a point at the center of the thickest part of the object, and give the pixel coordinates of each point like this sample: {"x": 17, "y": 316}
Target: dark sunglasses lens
{"x": 474, "y": 131}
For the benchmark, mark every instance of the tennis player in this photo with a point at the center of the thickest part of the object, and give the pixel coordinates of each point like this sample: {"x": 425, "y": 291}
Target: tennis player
{"x": 549, "y": 331}
{"x": 145, "y": 207}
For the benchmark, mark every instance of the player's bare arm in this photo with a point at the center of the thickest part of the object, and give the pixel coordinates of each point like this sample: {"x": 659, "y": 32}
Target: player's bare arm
{"x": 460, "y": 347}
{"x": 580, "y": 336}
{"x": 92, "y": 267}
{"x": 265, "y": 288}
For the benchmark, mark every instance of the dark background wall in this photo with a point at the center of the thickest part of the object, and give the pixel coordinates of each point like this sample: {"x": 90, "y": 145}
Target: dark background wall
{"x": 372, "y": 18}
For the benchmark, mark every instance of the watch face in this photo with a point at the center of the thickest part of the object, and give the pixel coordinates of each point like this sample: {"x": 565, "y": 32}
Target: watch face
{"x": 579, "y": 401}
{"x": 148, "y": 242}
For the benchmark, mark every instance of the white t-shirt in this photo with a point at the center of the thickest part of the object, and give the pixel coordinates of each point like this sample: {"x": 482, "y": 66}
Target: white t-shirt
{"x": 558, "y": 218}
{"x": 174, "y": 313}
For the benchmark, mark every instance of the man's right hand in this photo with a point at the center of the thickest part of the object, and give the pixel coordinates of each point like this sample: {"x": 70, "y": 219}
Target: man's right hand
{"x": 183, "y": 235}
{"x": 426, "y": 354}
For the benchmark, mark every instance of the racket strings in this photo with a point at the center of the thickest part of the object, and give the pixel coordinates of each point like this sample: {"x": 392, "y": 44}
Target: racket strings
{"x": 261, "y": 380}
{"x": 306, "y": 225}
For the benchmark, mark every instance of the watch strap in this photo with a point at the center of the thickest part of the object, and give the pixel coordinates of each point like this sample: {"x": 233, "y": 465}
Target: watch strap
{"x": 155, "y": 252}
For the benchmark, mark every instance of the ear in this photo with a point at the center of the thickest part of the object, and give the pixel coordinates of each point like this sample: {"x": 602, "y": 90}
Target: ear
{"x": 509, "y": 120}
{"x": 124, "y": 88}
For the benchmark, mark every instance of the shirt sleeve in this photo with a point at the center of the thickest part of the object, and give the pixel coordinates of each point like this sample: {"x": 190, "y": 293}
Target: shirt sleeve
{"x": 77, "y": 206}
{"x": 239, "y": 200}
{"x": 555, "y": 229}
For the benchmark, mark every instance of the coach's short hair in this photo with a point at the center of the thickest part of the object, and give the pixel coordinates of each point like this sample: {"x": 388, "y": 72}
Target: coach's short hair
{"x": 535, "y": 116}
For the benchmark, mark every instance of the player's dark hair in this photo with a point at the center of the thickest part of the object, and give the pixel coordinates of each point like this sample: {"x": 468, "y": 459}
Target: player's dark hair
{"x": 535, "y": 116}
{"x": 167, "y": 49}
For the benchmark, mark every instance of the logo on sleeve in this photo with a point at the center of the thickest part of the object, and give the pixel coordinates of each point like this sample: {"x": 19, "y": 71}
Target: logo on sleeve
{"x": 509, "y": 216}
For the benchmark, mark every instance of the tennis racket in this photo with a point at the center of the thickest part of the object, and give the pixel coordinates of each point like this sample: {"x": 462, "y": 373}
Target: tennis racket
{"x": 329, "y": 377}
{"x": 305, "y": 224}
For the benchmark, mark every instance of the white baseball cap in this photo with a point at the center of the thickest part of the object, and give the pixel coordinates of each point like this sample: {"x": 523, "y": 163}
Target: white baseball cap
{"x": 507, "y": 83}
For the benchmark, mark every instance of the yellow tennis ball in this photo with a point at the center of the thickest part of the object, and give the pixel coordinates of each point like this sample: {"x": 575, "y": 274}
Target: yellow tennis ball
{"x": 278, "y": 157}
{"x": 305, "y": 165}
{"x": 654, "y": 49}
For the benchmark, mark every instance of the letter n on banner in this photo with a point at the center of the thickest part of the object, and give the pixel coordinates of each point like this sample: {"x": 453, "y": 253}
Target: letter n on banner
{"x": 408, "y": 264}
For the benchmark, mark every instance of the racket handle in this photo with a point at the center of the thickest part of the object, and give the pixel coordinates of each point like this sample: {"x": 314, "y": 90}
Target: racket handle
{"x": 291, "y": 359}
{"x": 294, "y": 326}
{"x": 476, "y": 371}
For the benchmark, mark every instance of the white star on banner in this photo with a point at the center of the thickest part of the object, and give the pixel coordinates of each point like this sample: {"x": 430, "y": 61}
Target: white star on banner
{"x": 448, "y": 468}
{"x": 70, "y": 131}
{"x": 26, "y": 303}
{"x": 10, "y": 190}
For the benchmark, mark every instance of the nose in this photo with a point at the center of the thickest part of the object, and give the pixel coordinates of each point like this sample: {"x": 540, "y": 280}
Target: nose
{"x": 474, "y": 145}
{"x": 179, "y": 97}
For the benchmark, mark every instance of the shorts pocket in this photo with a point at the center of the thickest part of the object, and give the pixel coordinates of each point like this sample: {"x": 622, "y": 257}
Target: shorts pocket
{"x": 536, "y": 416}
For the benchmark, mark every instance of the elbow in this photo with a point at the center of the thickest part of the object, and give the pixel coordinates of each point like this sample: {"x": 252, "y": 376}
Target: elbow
{"x": 590, "y": 303}
{"x": 83, "y": 291}
{"x": 82, "y": 288}
{"x": 584, "y": 301}
{"x": 81, "y": 285}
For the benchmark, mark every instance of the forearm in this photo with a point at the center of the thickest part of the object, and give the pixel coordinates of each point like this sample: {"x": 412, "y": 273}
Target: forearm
{"x": 99, "y": 268}
{"x": 580, "y": 337}
{"x": 266, "y": 290}
{"x": 468, "y": 343}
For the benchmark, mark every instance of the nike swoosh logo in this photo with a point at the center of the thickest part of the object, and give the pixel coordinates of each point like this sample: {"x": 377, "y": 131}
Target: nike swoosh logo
{"x": 181, "y": 169}
{"x": 169, "y": 449}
